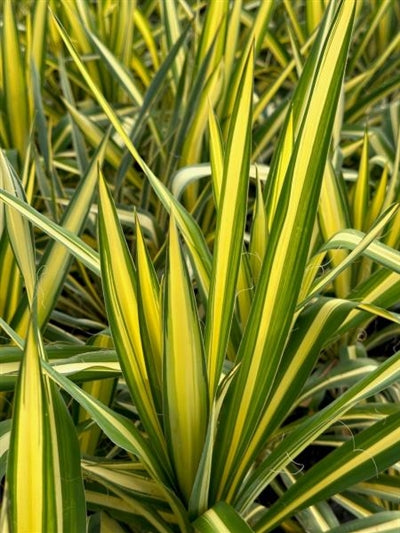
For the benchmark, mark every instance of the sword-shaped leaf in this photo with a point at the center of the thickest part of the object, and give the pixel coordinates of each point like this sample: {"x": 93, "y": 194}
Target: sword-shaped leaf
{"x": 333, "y": 217}
{"x": 221, "y": 518}
{"x": 230, "y": 229}
{"x": 149, "y": 315}
{"x": 19, "y": 231}
{"x": 380, "y": 522}
{"x": 185, "y": 381}
{"x": 45, "y": 488}
{"x": 74, "y": 244}
{"x": 14, "y": 83}
{"x": 362, "y": 457}
{"x": 119, "y": 280}
{"x": 283, "y": 268}
{"x": 296, "y": 441}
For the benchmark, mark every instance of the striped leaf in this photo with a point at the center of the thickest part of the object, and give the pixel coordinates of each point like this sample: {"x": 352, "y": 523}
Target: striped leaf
{"x": 118, "y": 70}
{"x": 384, "y": 256}
{"x": 361, "y": 189}
{"x": 198, "y": 503}
{"x": 39, "y": 30}
{"x": 259, "y": 234}
{"x": 274, "y": 301}
{"x": 43, "y": 472}
{"x": 118, "y": 428}
{"x": 230, "y": 229}
{"x": 5, "y": 431}
{"x": 333, "y": 217}
{"x": 185, "y": 381}
{"x": 125, "y": 434}
{"x": 173, "y": 31}
{"x": 150, "y": 315}
{"x": 15, "y": 93}
{"x": 386, "y": 487}
{"x": 221, "y": 518}
{"x": 254, "y": 39}
{"x": 383, "y": 522}
{"x": 119, "y": 279}
{"x": 18, "y": 228}
{"x": 94, "y": 135}
{"x": 382, "y": 288}
{"x": 191, "y": 151}
{"x": 363, "y": 456}
{"x": 296, "y": 441}
{"x": 192, "y": 173}
{"x": 280, "y": 336}
{"x": 310, "y": 333}
{"x": 127, "y": 476}
{"x": 62, "y": 235}
{"x": 56, "y": 259}
{"x": 377, "y": 251}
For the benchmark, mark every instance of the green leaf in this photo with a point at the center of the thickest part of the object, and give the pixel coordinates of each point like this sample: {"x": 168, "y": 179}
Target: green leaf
{"x": 310, "y": 333}
{"x": 296, "y": 441}
{"x": 198, "y": 503}
{"x": 221, "y": 518}
{"x": 259, "y": 234}
{"x": 352, "y": 240}
{"x": 5, "y": 431}
{"x": 383, "y": 522}
{"x": 363, "y": 456}
{"x": 173, "y": 32}
{"x": 361, "y": 190}
{"x": 333, "y": 217}
{"x": 57, "y": 258}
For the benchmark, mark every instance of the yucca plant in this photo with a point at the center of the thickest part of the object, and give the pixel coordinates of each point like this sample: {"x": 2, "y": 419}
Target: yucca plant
{"x": 229, "y": 356}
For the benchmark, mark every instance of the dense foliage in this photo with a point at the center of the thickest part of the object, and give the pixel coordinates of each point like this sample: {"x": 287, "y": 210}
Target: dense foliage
{"x": 199, "y": 266}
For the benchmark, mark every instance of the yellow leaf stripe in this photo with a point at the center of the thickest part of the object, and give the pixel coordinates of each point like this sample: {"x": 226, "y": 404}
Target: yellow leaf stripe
{"x": 271, "y": 317}
{"x": 184, "y": 371}
{"x": 120, "y": 291}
